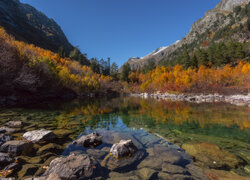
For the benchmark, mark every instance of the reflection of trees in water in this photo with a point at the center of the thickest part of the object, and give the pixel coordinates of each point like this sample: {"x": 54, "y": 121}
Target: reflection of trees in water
{"x": 220, "y": 120}
{"x": 137, "y": 112}
{"x": 160, "y": 112}
{"x": 179, "y": 113}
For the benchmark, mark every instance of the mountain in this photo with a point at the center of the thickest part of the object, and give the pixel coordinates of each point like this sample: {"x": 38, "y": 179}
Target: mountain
{"x": 27, "y": 24}
{"x": 227, "y": 21}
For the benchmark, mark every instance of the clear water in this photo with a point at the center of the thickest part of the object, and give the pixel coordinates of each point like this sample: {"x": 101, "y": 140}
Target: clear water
{"x": 145, "y": 121}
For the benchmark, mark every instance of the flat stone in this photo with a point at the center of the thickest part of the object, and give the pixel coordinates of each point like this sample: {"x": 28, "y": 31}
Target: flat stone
{"x": 97, "y": 154}
{"x": 151, "y": 162}
{"x": 173, "y": 169}
{"x": 146, "y": 173}
{"x": 16, "y": 148}
{"x": 39, "y": 135}
{"x": 15, "y": 124}
{"x": 166, "y": 176}
{"x": 4, "y": 138}
{"x": 92, "y": 140}
{"x": 122, "y": 176}
{"x": 71, "y": 167}
{"x": 196, "y": 172}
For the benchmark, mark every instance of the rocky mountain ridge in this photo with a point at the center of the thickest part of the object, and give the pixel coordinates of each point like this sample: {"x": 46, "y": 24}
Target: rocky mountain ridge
{"x": 27, "y": 24}
{"x": 214, "y": 20}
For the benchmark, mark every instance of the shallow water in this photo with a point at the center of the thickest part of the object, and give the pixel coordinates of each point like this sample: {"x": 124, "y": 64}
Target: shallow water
{"x": 145, "y": 121}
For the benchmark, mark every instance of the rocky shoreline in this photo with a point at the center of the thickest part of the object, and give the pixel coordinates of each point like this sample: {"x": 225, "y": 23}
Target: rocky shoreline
{"x": 240, "y": 100}
{"x": 96, "y": 156}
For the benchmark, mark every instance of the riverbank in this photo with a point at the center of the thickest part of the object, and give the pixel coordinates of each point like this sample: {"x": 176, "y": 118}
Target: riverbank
{"x": 240, "y": 100}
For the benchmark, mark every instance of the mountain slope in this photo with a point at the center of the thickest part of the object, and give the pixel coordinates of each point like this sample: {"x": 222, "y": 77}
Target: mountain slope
{"x": 27, "y": 24}
{"x": 206, "y": 30}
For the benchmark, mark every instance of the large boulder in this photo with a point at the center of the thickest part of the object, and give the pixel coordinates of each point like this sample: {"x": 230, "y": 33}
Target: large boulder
{"x": 39, "y": 135}
{"x": 5, "y": 160}
{"x": 92, "y": 140}
{"x": 71, "y": 167}
{"x": 4, "y": 138}
{"x": 15, "y": 148}
{"x": 124, "y": 148}
{"x": 14, "y": 124}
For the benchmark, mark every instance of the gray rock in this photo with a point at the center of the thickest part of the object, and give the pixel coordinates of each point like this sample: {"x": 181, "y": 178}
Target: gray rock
{"x": 53, "y": 176}
{"x": 39, "y": 135}
{"x": 173, "y": 169}
{"x": 96, "y": 153}
{"x": 196, "y": 172}
{"x": 5, "y": 160}
{"x": 92, "y": 140}
{"x": 15, "y": 148}
{"x": 158, "y": 156}
{"x": 112, "y": 163}
{"x": 146, "y": 173}
{"x": 14, "y": 124}
{"x": 166, "y": 176}
{"x": 4, "y": 138}
{"x": 6, "y": 130}
{"x": 71, "y": 167}
{"x": 124, "y": 148}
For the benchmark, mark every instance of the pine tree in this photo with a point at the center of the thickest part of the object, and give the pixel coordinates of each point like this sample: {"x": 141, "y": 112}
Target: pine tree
{"x": 125, "y": 72}
{"x": 114, "y": 70}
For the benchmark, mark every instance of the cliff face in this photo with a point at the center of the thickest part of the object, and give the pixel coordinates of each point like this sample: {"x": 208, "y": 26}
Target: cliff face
{"x": 213, "y": 21}
{"x": 27, "y": 24}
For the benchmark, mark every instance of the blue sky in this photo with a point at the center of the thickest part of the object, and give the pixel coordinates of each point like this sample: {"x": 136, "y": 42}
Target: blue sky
{"x": 120, "y": 29}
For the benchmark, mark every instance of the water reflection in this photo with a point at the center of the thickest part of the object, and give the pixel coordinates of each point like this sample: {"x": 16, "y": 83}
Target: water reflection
{"x": 225, "y": 125}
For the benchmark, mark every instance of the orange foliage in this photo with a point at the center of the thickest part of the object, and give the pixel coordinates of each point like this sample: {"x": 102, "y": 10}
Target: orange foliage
{"x": 178, "y": 79}
{"x": 69, "y": 73}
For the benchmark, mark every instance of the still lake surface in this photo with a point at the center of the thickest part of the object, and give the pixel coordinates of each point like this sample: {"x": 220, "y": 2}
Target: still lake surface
{"x": 148, "y": 122}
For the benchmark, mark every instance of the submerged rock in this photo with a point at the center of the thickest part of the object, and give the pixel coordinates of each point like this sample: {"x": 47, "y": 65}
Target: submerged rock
{"x": 112, "y": 163}
{"x": 14, "y": 124}
{"x": 219, "y": 174}
{"x": 15, "y": 148}
{"x": 92, "y": 140}
{"x": 71, "y": 167}
{"x": 210, "y": 155}
{"x": 159, "y": 156}
{"x": 5, "y": 160}
{"x": 124, "y": 148}
{"x": 28, "y": 170}
{"x": 173, "y": 169}
{"x": 123, "y": 176}
{"x": 4, "y": 138}
{"x": 39, "y": 135}
{"x": 51, "y": 147}
{"x": 146, "y": 173}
